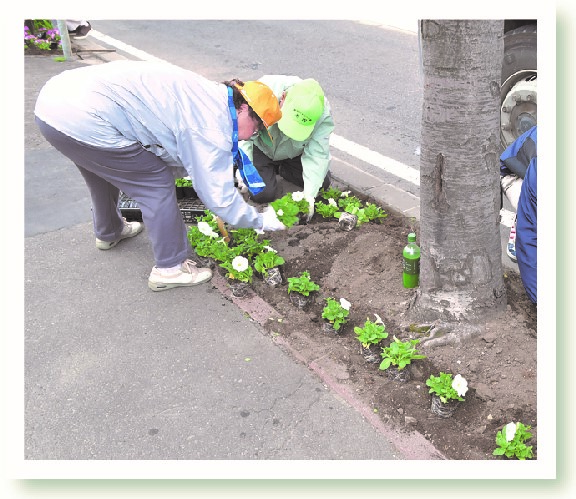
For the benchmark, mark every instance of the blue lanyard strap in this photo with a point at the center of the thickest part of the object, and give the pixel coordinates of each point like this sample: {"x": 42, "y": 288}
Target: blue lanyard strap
{"x": 234, "y": 123}
{"x": 249, "y": 173}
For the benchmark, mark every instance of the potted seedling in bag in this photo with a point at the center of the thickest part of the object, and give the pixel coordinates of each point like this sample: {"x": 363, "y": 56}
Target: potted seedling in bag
{"x": 369, "y": 337}
{"x": 239, "y": 275}
{"x": 447, "y": 393}
{"x": 300, "y": 289}
{"x": 397, "y": 358}
{"x": 348, "y": 218}
{"x": 335, "y": 314}
{"x": 268, "y": 263}
{"x": 290, "y": 208}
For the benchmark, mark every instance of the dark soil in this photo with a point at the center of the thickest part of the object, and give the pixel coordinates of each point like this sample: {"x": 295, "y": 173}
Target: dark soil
{"x": 364, "y": 266}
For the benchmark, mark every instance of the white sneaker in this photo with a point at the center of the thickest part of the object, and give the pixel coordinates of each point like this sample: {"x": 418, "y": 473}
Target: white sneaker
{"x": 189, "y": 275}
{"x": 130, "y": 229}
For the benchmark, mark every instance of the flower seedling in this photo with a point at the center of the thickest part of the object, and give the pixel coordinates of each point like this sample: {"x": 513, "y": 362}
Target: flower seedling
{"x": 347, "y": 202}
{"x": 372, "y": 332}
{"x": 289, "y": 206}
{"x": 510, "y": 441}
{"x": 326, "y": 210}
{"x": 331, "y": 193}
{"x": 246, "y": 240}
{"x": 238, "y": 268}
{"x": 302, "y": 284}
{"x": 447, "y": 388}
{"x": 336, "y": 313}
{"x": 373, "y": 212}
{"x": 400, "y": 354}
{"x": 267, "y": 260}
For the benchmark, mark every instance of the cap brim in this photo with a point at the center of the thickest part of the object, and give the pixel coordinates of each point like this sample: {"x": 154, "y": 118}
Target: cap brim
{"x": 294, "y": 130}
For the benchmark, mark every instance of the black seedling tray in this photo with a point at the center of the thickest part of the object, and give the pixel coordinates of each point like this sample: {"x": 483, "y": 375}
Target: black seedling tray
{"x": 189, "y": 207}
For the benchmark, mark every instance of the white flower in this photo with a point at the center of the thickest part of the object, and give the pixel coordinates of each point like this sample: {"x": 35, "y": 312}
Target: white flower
{"x": 378, "y": 319}
{"x": 205, "y": 228}
{"x": 345, "y": 304}
{"x": 270, "y": 248}
{"x": 280, "y": 212}
{"x": 460, "y": 385}
{"x": 510, "y": 431}
{"x": 297, "y": 196}
{"x": 240, "y": 264}
{"x": 345, "y": 194}
{"x": 331, "y": 202}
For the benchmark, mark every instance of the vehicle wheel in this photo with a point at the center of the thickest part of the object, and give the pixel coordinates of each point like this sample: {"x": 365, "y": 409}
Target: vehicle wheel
{"x": 519, "y": 83}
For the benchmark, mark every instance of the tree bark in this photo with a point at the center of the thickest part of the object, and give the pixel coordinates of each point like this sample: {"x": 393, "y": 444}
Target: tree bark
{"x": 461, "y": 262}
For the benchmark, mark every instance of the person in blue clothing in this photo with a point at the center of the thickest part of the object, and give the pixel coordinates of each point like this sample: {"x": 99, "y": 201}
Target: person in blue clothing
{"x": 520, "y": 160}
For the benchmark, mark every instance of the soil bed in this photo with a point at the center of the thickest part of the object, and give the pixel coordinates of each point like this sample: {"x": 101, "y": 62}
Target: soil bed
{"x": 365, "y": 267}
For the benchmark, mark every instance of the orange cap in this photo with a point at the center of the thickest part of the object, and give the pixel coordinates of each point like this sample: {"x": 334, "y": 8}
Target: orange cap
{"x": 261, "y": 98}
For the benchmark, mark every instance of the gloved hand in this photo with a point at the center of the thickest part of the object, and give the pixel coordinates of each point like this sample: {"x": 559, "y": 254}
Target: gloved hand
{"x": 271, "y": 222}
{"x": 311, "y": 200}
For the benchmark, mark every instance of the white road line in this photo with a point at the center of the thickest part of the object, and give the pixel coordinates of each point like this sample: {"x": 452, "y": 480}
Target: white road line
{"x": 129, "y": 49}
{"x": 375, "y": 159}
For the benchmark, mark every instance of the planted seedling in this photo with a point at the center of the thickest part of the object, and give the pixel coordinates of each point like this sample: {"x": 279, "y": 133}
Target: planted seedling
{"x": 400, "y": 353}
{"x": 446, "y": 388}
{"x": 372, "y": 332}
{"x": 302, "y": 285}
{"x": 511, "y": 441}
{"x": 336, "y": 313}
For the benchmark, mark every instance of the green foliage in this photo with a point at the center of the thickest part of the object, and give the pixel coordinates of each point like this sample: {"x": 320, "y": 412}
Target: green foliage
{"x": 442, "y": 387}
{"x": 302, "y": 284}
{"x": 331, "y": 193}
{"x": 326, "y": 210}
{"x": 287, "y": 208}
{"x": 41, "y": 35}
{"x": 238, "y": 268}
{"x": 374, "y": 212}
{"x": 514, "y": 446}
{"x": 335, "y": 313}
{"x": 348, "y": 203}
{"x": 210, "y": 247}
{"x": 267, "y": 260}
{"x": 247, "y": 242}
{"x": 183, "y": 182}
{"x": 372, "y": 333}
{"x": 400, "y": 354}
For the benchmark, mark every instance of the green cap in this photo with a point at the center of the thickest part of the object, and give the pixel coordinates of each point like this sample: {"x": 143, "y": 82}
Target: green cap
{"x": 303, "y": 105}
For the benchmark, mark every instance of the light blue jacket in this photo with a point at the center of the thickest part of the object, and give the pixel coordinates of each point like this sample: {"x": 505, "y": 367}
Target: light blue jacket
{"x": 178, "y": 115}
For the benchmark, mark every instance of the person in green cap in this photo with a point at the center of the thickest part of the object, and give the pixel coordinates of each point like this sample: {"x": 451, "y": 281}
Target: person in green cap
{"x": 297, "y": 147}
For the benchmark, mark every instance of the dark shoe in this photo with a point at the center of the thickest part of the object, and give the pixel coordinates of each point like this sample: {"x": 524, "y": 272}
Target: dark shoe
{"x": 82, "y": 31}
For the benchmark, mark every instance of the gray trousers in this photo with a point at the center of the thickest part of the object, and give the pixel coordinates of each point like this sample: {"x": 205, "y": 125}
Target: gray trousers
{"x": 141, "y": 175}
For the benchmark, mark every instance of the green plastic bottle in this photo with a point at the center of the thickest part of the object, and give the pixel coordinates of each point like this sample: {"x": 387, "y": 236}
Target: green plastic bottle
{"x": 411, "y": 267}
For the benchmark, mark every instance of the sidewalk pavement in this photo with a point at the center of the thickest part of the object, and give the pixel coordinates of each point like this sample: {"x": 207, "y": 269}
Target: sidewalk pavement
{"x": 114, "y": 371}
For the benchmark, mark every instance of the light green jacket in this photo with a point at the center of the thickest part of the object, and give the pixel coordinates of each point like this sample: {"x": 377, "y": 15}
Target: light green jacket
{"x": 315, "y": 151}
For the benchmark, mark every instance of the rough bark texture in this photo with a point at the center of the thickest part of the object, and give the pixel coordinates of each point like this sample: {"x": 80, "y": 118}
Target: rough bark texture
{"x": 461, "y": 271}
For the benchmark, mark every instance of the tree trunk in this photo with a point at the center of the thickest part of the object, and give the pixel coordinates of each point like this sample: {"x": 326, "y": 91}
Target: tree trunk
{"x": 461, "y": 260}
